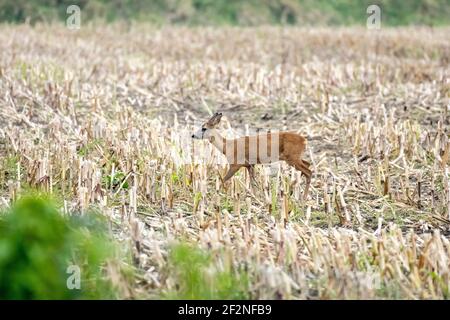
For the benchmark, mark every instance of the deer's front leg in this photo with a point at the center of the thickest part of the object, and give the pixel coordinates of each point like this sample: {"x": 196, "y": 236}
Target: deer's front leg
{"x": 231, "y": 171}
{"x": 251, "y": 173}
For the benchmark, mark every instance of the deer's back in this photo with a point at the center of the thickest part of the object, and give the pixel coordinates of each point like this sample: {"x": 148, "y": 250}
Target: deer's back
{"x": 265, "y": 148}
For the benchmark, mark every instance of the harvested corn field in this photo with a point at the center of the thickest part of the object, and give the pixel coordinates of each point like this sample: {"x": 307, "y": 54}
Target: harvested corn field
{"x": 102, "y": 118}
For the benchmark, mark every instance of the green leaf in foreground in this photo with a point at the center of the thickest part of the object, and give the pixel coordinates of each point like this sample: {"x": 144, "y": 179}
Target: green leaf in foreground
{"x": 37, "y": 246}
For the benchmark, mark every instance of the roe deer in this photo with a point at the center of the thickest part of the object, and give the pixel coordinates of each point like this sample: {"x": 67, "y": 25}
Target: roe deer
{"x": 262, "y": 148}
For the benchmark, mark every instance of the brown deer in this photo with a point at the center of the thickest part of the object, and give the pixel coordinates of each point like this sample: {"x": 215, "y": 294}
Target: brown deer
{"x": 262, "y": 148}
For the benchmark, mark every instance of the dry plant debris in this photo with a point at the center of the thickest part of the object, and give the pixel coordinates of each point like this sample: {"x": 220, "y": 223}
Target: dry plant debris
{"x": 101, "y": 118}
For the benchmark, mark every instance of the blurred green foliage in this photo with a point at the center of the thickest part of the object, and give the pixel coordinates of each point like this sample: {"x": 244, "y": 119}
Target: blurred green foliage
{"x": 198, "y": 278}
{"x": 234, "y": 12}
{"x": 37, "y": 246}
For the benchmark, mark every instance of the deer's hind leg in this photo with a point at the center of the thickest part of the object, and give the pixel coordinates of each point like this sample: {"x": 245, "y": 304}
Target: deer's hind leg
{"x": 308, "y": 164}
{"x": 301, "y": 166}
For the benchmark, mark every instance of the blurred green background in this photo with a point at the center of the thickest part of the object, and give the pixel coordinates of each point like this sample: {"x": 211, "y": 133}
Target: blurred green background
{"x": 232, "y": 12}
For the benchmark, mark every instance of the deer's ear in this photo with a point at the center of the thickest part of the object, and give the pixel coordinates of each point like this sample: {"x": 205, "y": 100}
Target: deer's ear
{"x": 215, "y": 119}
{"x": 218, "y": 116}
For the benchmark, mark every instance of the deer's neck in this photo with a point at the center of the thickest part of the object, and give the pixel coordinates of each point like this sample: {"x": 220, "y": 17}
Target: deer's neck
{"x": 217, "y": 140}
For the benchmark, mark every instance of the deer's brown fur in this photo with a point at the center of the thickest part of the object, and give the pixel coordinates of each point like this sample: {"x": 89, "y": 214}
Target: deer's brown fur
{"x": 291, "y": 147}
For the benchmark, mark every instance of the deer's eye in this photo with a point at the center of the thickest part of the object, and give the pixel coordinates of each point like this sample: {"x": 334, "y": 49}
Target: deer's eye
{"x": 203, "y": 129}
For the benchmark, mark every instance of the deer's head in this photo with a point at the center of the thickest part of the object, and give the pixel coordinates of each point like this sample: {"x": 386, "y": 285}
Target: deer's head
{"x": 206, "y": 129}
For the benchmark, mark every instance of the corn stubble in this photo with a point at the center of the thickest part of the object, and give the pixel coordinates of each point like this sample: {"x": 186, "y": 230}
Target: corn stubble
{"x": 102, "y": 116}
